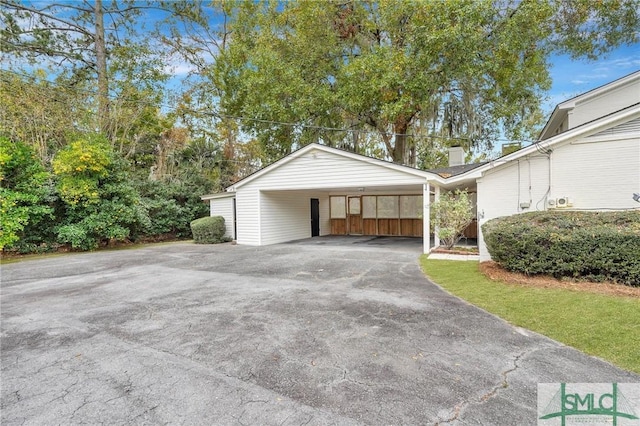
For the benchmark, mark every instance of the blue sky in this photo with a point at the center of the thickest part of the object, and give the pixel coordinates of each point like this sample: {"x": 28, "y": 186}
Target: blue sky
{"x": 572, "y": 77}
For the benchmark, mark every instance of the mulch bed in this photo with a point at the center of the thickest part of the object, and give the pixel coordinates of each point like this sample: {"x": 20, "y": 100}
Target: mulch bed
{"x": 495, "y": 272}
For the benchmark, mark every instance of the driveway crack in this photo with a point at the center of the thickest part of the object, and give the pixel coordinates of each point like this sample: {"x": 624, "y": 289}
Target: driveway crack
{"x": 504, "y": 383}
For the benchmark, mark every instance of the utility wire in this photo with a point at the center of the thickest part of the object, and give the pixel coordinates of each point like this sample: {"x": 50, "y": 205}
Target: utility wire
{"x": 217, "y": 114}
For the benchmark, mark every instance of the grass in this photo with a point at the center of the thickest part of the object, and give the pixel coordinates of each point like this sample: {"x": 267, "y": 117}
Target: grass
{"x": 605, "y": 326}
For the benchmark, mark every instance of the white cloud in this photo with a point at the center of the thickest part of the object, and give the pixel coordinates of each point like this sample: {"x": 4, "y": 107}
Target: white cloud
{"x": 179, "y": 68}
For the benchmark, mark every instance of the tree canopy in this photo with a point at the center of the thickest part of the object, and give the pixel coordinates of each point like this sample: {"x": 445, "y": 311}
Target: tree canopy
{"x": 464, "y": 70}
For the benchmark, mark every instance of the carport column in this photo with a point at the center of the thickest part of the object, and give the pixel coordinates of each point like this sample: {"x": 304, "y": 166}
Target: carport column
{"x": 436, "y": 229}
{"x": 426, "y": 231}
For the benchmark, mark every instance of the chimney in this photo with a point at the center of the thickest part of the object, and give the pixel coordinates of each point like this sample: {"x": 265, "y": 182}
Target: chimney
{"x": 456, "y": 156}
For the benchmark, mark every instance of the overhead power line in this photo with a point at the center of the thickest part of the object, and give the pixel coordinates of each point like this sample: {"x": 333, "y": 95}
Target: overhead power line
{"x": 170, "y": 108}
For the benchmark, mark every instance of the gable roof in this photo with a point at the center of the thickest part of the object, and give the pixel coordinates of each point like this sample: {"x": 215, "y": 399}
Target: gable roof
{"x": 315, "y": 146}
{"x": 619, "y": 117}
{"x": 561, "y": 110}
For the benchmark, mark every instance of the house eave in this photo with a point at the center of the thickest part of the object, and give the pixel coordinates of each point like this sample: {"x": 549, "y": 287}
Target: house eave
{"x": 217, "y": 196}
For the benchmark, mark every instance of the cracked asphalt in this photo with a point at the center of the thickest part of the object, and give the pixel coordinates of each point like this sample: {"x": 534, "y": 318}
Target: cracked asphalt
{"x": 327, "y": 331}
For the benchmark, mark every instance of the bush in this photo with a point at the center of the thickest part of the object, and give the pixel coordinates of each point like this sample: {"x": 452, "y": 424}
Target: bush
{"x": 597, "y": 246}
{"x": 172, "y": 204}
{"x": 25, "y": 195}
{"x": 451, "y": 214}
{"x": 100, "y": 202}
{"x": 209, "y": 230}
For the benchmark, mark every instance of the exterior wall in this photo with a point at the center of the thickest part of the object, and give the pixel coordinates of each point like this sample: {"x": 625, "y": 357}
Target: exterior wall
{"x": 606, "y": 103}
{"x": 598, "y": 174}
{"x": 271, "y": 217}
{"x": 562, "y": 127}
{"x": 223, "y": 207}
{"x": 501, "y": 191}
{"x": 248, "y": 217}
{"x": 317, "y": 170}
{"x": 285, "y": 216}
{"x": 594, "y": 172}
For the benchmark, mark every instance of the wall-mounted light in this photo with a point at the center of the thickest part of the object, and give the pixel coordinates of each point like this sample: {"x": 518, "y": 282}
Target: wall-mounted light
{"x": 636, "y": 197}
{"x": 361, "y": 189}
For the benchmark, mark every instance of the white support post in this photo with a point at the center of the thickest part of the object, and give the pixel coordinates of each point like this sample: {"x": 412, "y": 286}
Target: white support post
{"x": 436, "y": 229}
{"x": 426, "y": 230}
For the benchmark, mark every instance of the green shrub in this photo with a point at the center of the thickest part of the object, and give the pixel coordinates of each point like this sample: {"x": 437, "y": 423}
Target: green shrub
{"x": 25, "y": 195}
{"x": 172, "y": 204}
{"x": 100, "y": 202}
{"x": 597, "y": 246}
{"x": 209, "y": 230}
{"x": 451, "y": 214}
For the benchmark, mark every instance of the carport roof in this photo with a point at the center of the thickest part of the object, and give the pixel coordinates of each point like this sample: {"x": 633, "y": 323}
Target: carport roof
{"x": 351, "y": 155}
{"x": 218, "y": 195}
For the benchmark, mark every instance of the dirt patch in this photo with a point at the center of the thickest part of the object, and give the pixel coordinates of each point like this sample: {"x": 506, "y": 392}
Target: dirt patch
{"x": 495, "y": 272}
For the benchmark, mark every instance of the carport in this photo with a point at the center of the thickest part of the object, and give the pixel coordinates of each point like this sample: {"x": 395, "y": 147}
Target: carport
{"x": 319, "y": 191}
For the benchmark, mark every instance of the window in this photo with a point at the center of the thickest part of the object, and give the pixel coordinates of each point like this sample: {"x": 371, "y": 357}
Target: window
{"x": 388, "y": 207}
{"x": 369, "y": 207}
{"x": 354, "y": 205}
{"x": 410, "y": 206}
{"x": 338, "y": 208}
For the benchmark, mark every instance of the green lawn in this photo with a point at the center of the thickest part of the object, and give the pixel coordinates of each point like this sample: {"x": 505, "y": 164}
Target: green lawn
{"x": 601, "y": 325}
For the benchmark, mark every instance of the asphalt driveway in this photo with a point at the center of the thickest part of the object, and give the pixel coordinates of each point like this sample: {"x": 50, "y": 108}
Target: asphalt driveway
{"x": 323, "y": 331}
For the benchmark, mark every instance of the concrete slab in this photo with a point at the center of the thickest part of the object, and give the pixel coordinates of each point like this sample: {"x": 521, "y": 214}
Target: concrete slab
{"x": 303, "y": 333}
{"x": 450, "y": 256}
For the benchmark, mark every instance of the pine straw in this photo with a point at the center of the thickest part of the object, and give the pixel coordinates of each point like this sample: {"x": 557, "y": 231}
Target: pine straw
{"x": 495, "y": 272}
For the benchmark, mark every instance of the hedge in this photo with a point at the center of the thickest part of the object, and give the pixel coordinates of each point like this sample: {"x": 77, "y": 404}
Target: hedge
{"x": 209, "y": 230}
{"x": 598, "y": 246}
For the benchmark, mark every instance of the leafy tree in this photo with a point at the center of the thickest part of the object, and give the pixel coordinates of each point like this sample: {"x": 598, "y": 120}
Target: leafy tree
{"x": 296, "y": 71}
{"x": 41, "y": 113}
{"x": 24, "y": 192}
{"x": 451, "y": 214}
{"x": 74, "y": 38}
{"x": 101, "y": 204}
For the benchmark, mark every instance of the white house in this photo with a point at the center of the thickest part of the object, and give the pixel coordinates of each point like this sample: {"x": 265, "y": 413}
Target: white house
{"x": 588, "y": 158}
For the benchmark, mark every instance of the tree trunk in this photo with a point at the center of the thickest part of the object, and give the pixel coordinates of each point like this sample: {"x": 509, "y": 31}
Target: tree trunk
{"x": 399, "y": 154}
{"x": 101, "y": 68}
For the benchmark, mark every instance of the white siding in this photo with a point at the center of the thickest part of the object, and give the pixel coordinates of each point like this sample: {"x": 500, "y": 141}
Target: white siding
{"x": 606, "y": 103}
{"x": 595, "y": 175}
{"x": 248, "y": 217}
{"x": 501, "y": 191}
{"x": 286, "y": 215}
{"x": 223, "y": 207}
{"x": 630, "y": 127}
{"x": 318, "y": 170}
{"x": 598, "y": 175}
